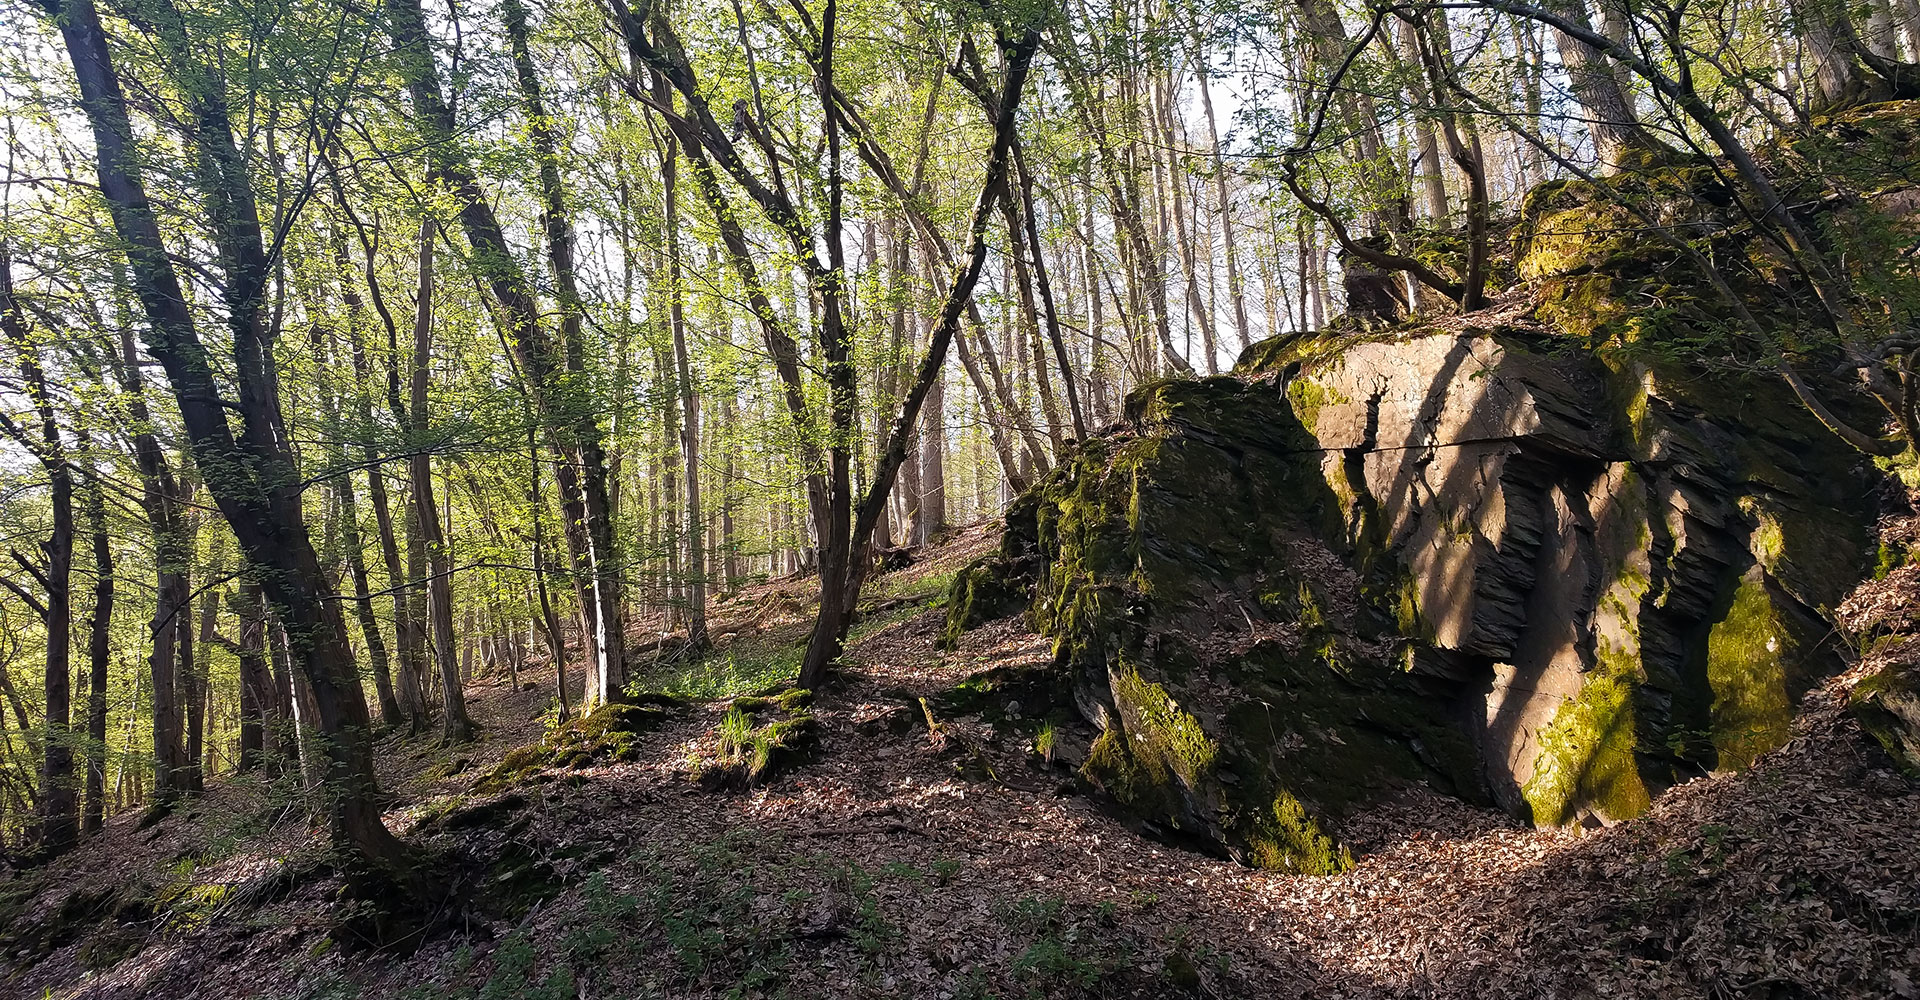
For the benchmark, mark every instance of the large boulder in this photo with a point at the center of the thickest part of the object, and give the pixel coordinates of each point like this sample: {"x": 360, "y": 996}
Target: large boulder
{"x": 1556, "y": 580}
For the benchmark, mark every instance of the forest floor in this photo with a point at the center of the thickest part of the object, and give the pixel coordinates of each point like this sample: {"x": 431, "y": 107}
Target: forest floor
{"x": 915, "y": 851}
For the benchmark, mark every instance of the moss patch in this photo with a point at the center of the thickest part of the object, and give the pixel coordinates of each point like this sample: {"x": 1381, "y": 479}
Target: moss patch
{"x": 609, "y": 734}
{"x": 1887, "y": 705}
{"x": 1161, "y": 730}
{"x": 1309, "y": 398}
{"x": 986, "y": 590}
{"x": 1586, "y": 754}
{"x": 1746, "y": 653}
{"x": 1290, "y": 840}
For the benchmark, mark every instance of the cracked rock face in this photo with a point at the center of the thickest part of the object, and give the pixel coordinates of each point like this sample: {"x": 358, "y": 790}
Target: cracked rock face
{"x": 1546, "y": 580}
{"x": 1622, "y": 566}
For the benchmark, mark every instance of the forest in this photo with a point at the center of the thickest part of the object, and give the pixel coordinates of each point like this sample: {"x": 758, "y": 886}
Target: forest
{"x": 579, "y": 498}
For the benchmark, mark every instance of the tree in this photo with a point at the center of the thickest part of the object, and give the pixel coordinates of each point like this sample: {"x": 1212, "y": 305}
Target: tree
{"x": 59, "y": 799}
{"x": 249, "y": 474}
{"x": 845, "y": 537}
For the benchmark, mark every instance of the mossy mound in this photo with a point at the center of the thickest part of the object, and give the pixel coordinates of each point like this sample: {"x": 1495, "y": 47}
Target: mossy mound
{"x": 985, "y": 590}
{"x": 607, "y": 735}
{"x": 1887, "y": 704}
{"x": 760, "y": 736}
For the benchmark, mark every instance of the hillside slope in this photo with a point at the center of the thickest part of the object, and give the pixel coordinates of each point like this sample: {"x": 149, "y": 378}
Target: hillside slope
{"x": 904, "y": 860}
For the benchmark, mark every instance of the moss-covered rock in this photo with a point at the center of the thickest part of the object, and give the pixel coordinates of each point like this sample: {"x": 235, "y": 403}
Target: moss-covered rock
{"x": 759, "y": 737}
{"x": 1240, "y": 671}
{"x": 1887, "y": 703}
{"x": 1558, "y": 580}
{"x": 609, "y": 734}
{"x": 984, "y": 590}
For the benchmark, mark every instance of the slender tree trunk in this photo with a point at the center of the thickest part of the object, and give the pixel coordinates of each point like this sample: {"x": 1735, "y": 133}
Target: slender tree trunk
{"x": 729, "y": 475}
{"x": 354, "y": 548}
{"x": 1044, "y": 283}
{"x": 192, "y": 693}
{"x": 1029, "y": 337}
{"x": 256, "y": 679}
{"x": 455, "y": 727}
{"x": 59, "y": 797}
{"x": 161, "y": 498}
{"x": 933, "y": 466}
{"x": 209, "y": 621}
{"x": 409, "y": 627}
{"x": 549, "y": 621}
{"x": 99, "y": 654}
{"x": 1236, "y": 291}
{"x": 1433, "y": 184}
{"x": 689, "y": 402}
{"x": 583, "y": 471}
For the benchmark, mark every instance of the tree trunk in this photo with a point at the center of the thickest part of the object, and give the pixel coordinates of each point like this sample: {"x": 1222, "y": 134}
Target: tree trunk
{"x": 689, "y": 401}
{"x": 251, "y": 477}
{"x": 189, "y": 675}
{"x": 99, "y": 655}
{"x": 59, "y": 797}
{"x": 256, "y": 679}
{"x": 571, "y": 424}
{"x": 1615, "y": 127}
{"x": 1236, "y": 291}
{"x": 549, "y": 621}
{"x": 842, "y": 577}
{"x": 349, "y": 521}
{"x": 455, "y": 727}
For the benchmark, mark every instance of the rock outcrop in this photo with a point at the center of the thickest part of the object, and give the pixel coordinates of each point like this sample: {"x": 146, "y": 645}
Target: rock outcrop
{"x": 1557, "y": 555}
{"x": 1450, "y": 558}
{"x": 1887, "y": 705}
{"x": 1556, "y": 580}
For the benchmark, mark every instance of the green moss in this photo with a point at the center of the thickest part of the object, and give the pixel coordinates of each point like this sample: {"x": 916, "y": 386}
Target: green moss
{"x": 759, "y": 736}
{"x": 1586, "y": 755}
{"x": 1163, "y": 731}
{"x": 1309, "y": 397}
{"x": 609, "y": 734}
{"x": 106, "y": 947}
{"x": 986, "y": 590}
{"x": 1768, "y": 543}
{"x": 1891, "y": 555}
{"x": 1406, "y": 609}
{"x": 1746, "y": 652}
{"x": 1887, "y": 705}
{"x": 1288, "y": 839}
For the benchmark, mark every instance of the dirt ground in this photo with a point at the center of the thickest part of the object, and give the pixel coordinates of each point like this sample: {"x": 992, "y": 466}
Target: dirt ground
{"x": 915, "y": 850}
